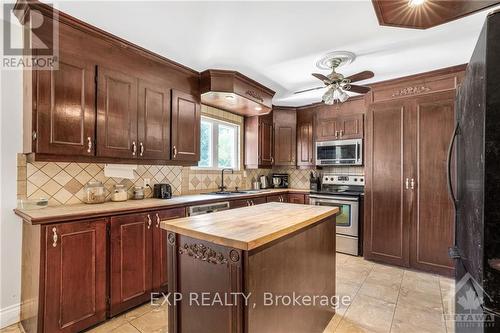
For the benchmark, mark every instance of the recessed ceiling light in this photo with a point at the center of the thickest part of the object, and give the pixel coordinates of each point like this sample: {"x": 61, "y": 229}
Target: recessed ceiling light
{"x": 416, "y": 3}
{"x": 229, "y": 97}
{"x": 258, "y": 108}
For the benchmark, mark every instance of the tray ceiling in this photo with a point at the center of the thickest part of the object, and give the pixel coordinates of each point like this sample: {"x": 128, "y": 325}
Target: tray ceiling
{"x": 278, "y": 43}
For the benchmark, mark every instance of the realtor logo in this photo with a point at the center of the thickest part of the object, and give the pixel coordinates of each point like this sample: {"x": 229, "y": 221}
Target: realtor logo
{"x": 469, "y": 311}
{"x": 33, "y": 44}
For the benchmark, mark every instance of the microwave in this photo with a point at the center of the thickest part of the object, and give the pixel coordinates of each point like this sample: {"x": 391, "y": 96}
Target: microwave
{"x": 340, "y": 152}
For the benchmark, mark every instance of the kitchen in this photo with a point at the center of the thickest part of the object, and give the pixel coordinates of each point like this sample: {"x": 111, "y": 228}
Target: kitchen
{"x": 135, "y": 171}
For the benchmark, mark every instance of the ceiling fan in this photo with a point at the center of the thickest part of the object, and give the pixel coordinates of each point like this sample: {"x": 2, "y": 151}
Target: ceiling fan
{"x": 337, "y": 83}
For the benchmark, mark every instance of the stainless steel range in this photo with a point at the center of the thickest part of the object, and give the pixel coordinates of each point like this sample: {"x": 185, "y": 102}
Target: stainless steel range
{"x": 345, "y": 192}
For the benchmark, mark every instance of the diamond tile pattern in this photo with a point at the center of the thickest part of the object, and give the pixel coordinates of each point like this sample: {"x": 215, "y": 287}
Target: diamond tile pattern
{"x": 62, "y": 183}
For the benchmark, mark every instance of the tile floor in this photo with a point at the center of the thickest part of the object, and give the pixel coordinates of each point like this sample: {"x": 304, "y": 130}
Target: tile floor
{"x": 384, "y": 299}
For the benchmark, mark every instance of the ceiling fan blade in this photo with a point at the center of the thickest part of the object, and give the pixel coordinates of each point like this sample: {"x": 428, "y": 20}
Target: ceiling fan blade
{"x": 361, "y": 76}
{"x": 359, "y": 89}
{"x": 321, "y": 77}
{"x": 302, "y": 91}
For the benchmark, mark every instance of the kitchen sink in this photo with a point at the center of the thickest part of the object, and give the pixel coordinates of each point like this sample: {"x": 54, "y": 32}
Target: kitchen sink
{"x": 233, "y": 192}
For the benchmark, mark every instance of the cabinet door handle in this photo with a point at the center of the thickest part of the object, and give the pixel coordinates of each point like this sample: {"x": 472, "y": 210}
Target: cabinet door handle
{"x": 54, "y": 237}
{"x": 407, "y": 183}
{"x": 272, "y": 160}
{"x": 251, "y": 201}
{"x": 336, "y": 134}
{"x": 134, "y": 148}
{"x": 141, "y": 149}
{"x": 341, "y": 133}
{"x": 174, "y": 151}
{"x": 412, "y": 184}
{"x": 157, "y": 220}
{"x": 89, "y": 144}
{"x": 149, "y": 222}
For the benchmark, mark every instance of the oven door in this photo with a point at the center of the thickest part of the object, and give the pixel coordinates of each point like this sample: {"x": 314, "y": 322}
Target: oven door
{"x": 347, "y": 221}
{"x": 342, "y": 152}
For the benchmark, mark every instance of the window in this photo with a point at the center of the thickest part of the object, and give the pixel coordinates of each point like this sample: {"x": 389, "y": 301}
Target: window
{"x": 220, "y": 143}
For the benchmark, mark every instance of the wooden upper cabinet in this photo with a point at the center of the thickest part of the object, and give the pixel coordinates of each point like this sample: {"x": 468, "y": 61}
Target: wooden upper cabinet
{"x": 160, "y": 246}
{"x": 75, "y": 276}
{"x": 285, "y": 130}
{"x": 305, "y": 138}
{"x": 326, "y": 129}
{"x": 65, "y": 108}
{"x": 186, "y": 118}
{"x": 116, "y": 114}
{"x": 153, "y": 121}
{"x": 388, "y": 162}
{"x": 266, "y": 141}
{"x": 350, "y": 127}
{"x": 131, "y": 261}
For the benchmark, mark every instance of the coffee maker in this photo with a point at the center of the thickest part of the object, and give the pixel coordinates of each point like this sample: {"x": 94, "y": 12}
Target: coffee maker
{"x": 280, "y": 180}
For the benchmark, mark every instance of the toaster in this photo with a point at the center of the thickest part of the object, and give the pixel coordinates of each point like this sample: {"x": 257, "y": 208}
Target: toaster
{"x": 162, "y": 191}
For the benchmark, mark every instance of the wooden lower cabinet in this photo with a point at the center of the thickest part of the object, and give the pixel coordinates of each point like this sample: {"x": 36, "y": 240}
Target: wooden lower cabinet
{"x": 277, "y": 198}
{"x": 74, "y": 295}
{"x": 160, "y": 246}
{"x": 409, "y": 217}
{"x": 297, "y": 198}
{"x": 130, "y": 261}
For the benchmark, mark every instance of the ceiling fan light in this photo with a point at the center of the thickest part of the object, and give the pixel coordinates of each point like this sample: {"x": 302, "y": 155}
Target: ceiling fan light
{"x": 343, "y": 97}
{"x": 415, "y": 3}
{"x": 328, "y": 97}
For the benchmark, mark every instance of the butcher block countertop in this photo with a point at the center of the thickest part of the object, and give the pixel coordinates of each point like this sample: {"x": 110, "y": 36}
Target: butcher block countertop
{"x": 248, "y": 228}
{"x": 64, "y": 213}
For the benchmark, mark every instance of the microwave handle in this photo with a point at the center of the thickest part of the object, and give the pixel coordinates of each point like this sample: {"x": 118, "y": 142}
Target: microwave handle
{"x": 358, "y": 151}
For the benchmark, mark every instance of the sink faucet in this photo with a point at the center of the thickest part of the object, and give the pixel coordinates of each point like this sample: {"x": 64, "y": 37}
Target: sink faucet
{"x": 222, "y": 187}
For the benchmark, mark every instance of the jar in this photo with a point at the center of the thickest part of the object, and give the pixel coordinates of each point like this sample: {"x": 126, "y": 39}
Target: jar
{"x": 138, "y": 193}
{"x": 119, "y": 193}
{"x": 93, "y": 193}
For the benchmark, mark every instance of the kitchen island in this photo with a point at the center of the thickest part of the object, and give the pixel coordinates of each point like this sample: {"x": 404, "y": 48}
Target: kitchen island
{"x": 265, "y": 268}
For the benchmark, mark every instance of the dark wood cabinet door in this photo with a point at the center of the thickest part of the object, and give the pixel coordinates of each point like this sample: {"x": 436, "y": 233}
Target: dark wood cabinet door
{"x": 388, "y": 162}
{"x": 65, "y": 108}
{"x": 186, "y": 118}
{"x": 433, "y": 215}
{"x": 160, "y": 245}
{"x": 75, "y": 276}
{"x": 351, "y": 127}
{"x": 277, "y": 198}
{"x": 285, "y": 130}
{"x": 153, "y": 121}
{"x": 266, "y": 141}
{"x": 326, "y": 129}
{"x": 131, "y": 261}
{"x": 258, "y": 200}
{"x": 305, "y": 141}
{"x": 116, "y": 114}
{"x": 296, "y": 198}
{"x": 239, "y": 203}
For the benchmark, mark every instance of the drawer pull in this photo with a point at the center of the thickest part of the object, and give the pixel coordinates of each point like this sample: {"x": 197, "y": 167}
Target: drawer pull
{"x": 54, "y": 237}
{"x": 89, "y": 144}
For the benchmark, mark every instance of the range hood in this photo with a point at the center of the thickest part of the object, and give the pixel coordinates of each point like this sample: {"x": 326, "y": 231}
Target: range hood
{"x": 234, "y": 92}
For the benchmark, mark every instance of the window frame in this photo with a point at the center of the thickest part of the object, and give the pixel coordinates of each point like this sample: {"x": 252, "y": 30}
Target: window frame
{"x": 215, "y": 122}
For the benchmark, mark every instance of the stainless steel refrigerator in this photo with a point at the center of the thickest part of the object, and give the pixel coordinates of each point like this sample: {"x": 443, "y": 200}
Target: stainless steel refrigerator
{"x": 475, "y": 187}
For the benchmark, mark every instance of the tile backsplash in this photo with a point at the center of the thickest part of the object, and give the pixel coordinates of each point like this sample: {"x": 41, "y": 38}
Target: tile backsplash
{"x": 63, "y": 183}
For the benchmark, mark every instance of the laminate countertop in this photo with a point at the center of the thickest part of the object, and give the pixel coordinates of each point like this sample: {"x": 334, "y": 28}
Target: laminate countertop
{"x": 250, "y": 227}
{"x": 56, "y": 214}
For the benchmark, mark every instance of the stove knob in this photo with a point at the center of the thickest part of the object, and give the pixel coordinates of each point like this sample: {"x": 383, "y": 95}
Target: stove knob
{"x": 355, "y": 179}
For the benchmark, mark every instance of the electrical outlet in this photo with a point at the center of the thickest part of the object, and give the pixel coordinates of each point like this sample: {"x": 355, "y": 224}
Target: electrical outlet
{"x": 147, "y": 182}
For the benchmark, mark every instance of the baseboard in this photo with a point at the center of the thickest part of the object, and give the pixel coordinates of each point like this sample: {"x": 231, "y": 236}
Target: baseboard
{"x": 9, "y": 315}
